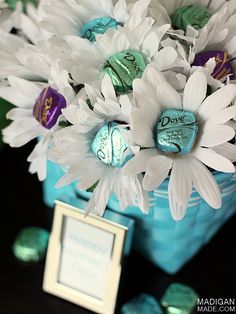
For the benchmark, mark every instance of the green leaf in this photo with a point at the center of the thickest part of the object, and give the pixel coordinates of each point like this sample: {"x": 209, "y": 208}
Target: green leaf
{"x": 92, "y": 188}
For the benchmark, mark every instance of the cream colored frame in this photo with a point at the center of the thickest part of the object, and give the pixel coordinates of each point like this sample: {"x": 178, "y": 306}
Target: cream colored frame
{"x": 51, "y": 284}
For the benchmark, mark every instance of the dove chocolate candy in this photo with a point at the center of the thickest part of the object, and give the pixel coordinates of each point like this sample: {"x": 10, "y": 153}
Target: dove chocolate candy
{"x": 176, "y": 131}
{"x": 97, "y": 26}
{"x": 123, "y": 68}
{"x": 110, "y": 146}
{"x": 48, "y": 106}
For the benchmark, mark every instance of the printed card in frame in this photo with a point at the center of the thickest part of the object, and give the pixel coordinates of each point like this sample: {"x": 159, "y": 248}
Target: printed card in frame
{"x": 84, "y": 259}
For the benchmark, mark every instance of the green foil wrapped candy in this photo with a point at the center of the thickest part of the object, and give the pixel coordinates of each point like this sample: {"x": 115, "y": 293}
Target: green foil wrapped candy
{"x": 179, "y": 299}
{"x": 31, "y": 244}
{"x": 195, "y": 15}
{"x": 142, "y": 304}
{"x": 110, "y": 146}
{"x": 12, "y": 3}
{"x": 124, "y": 67}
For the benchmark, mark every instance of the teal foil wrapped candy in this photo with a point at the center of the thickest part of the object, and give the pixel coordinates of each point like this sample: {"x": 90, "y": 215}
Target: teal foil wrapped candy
{"x": 124, "y": 67}
{"x": 195, "y": 15}
{"x": 110, "y": 146}
{"x": 97, "y": 26}
{"x": 31, "y": 244}
{"x": 176, "y": 131}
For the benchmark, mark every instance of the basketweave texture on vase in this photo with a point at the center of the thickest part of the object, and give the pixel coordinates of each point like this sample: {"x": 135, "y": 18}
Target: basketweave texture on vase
{"x": 136, "y": 102}
{"x": 167, "y": 243}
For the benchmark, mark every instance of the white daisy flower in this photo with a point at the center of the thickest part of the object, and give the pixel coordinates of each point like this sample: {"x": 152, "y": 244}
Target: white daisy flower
{"x": 182, "y": 134}
{"x": 87, "y": 18}
{"x": 37, "y": 114}
{"x": 188, "y": 17}
{"x": 98, "y": 149}
{"x": 214, "y": 50}
{"x": 122, "y": 54}
{"x": 32, "y": 62}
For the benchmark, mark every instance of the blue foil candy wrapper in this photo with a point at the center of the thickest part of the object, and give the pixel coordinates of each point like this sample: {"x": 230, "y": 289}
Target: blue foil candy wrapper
{"x": 176, "y": 131}
{"x": 110, "y": 146}
{"x": 97, "y": 26}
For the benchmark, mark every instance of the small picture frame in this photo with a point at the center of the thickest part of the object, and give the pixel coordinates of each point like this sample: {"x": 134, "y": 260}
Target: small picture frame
{"x": 84, "y": 259}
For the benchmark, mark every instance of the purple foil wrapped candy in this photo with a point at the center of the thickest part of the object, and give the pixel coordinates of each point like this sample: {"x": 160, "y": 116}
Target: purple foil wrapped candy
{"x": 223, "y": 66}
{"x": 48, "y": 106}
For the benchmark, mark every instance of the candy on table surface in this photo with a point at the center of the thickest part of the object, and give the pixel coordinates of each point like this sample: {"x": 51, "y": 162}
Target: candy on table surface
{"x": 30, "y": 244}
{"x": 110, "y": 146}
{"x": 142, "y": 304}
{"x": 179, "y": 299}
{"x": 48, "y": 107}
{"x": 176, "y": 131}
{"x": 12, "y": 3}
{"x": 123, "y": 68}
{"x": 97, "y": 26}
{"x": 223, "y": 66}
{"x": 195, "y": 15}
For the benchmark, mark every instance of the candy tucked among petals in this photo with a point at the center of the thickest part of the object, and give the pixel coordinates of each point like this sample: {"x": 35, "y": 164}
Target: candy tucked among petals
{"x": 124, "y": 67}
{"x": 97, "y": 26}
{"x": 195, "y": 15}
{"x": 223, "y": 66}
{"x": 48, "y": 107}
{"x": 12, "y": 3}
{"x": 110, "y": 146}
{"x": 176, "y": 131}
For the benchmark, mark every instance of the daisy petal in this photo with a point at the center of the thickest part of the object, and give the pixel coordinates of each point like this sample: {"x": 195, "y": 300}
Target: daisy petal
{"x": 195, "y": 91}
{"x": 220, "y": 118}
{"x": 179, "y": 189}
{"x": 216, "y": 135}
{"x": 98, "y": 201}
{"x": 165, "y": 58}
{"x": 213, "y": 160}
{"x": 168, "y": 96}
{"x": 205, "y": 183}
{"x": 138, "y": 164}
{"x": 216, "y": 102}
{"x": 157, "y": 170}
{"x": 108, "y": 89}
{"x": 227, "y": 150}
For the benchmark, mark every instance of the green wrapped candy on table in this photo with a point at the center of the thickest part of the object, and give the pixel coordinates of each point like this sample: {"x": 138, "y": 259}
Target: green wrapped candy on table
{"x": 142, "y": 304}
{"x": 179, "y": 299}
{"x": 31, "y": 244}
